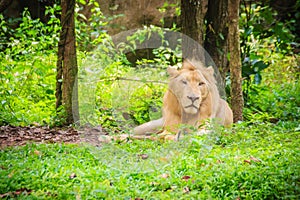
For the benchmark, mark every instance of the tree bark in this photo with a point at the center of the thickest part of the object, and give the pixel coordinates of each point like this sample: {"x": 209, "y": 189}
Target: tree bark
{"x": 237, "y": 101}
{"x": 216, "y": 41}
{"x": 4, "y": 4}
{"x": 192, "y": 20}
{"x": 66, "y": 85}
{"x": 192, "y": 15}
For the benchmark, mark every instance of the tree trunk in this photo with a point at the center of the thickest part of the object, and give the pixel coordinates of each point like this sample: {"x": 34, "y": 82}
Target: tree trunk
{"x": 66, "y": 85}
{"x": 237, "y": 101}
{"x": 192, "y": 20}
{"x": 216, "y": 41}
{"x": 4, "y": 4}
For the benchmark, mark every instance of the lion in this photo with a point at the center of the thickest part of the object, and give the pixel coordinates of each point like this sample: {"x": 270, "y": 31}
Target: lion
{"x": 191, "y": 99}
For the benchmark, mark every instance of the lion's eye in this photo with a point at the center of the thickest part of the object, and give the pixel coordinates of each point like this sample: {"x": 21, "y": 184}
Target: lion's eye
{"x": 184, "y": 82}
{"x": 201, "y": 83}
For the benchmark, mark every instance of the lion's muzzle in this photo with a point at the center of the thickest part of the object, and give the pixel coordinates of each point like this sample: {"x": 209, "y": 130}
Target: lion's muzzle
{"x": 194, "y": 103}
{"x": 193, "y": 98}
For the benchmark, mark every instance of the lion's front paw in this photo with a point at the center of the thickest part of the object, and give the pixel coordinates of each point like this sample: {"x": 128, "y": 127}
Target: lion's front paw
{"x": 166, "y": 135}
{"x": 170, "y": 137}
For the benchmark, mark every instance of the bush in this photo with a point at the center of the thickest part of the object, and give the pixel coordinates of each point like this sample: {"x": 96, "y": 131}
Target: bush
{"x": 263, "y": 35}
{"x": 27, "y": 91}
{"x": 27, "y": 70}
{"x": 31, "y": 36}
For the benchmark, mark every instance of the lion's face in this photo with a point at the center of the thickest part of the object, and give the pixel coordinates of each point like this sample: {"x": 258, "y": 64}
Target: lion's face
{"x": 190, "y": 88}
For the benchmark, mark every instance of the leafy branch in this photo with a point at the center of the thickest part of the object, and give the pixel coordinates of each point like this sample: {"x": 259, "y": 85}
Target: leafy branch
{"x": 131, "y": 79}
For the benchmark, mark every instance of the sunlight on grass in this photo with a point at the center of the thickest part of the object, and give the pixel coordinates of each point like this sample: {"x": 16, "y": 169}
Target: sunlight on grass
{"x": 255, "y": 161}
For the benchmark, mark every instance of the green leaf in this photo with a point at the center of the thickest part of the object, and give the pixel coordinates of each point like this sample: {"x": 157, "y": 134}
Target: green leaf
{"x": 260, "y": 65}
{"x": 228, "y": 56}
{"x": 221, "y": 36}
{"x": 257, "y": 78}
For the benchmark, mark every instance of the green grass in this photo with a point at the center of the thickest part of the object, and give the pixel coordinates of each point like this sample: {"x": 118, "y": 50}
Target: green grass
{"x": 27, "y": 90}
{"x": 251, "y": 161}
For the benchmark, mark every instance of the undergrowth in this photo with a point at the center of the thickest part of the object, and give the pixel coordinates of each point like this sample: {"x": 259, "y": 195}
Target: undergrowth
{"x": 252, "y": 161}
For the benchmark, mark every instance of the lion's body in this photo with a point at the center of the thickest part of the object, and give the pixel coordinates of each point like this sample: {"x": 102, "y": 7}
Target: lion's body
{"x": 192, "y": 98}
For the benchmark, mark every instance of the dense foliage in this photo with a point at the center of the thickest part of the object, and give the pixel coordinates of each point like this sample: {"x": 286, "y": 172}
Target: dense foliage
{"x": 263, "y": 34}
{"x": 28, "y": 67}
{"x": 27, "y": 70}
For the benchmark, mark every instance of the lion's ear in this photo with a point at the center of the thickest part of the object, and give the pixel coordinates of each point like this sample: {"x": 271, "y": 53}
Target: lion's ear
{"x": 188, "y": 65}
{"x": 210, "y": 70}
{"x": 172, "y": 71}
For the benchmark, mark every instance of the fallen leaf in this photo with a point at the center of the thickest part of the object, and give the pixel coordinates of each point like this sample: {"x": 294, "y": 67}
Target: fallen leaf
{"x": 22, "y": 190}
{"x": 127, "y": 116}
{"x": 254, "y": 159}
{"x": 247, "y": 161}
{"x": 36, "y": 152}
{"x": 78, "y": 196}
{"x": 163, "y": 159}
{"x": 143, "y": 156}
{"x": 3, "y": 167}
{"x": 186, "y": 189}
{"x": 220, "y": 161}
{"x": 11, "y": 174}
{"x": 154, "y": 183}
{"x": 35, "y": 124}
{"x": 185, "y": 178}
{"x": 72, "y": 176}
{"x": 173, "y": 187}
{"x": 51, "y": 194}
{"x": 165, "y": 175}
{"x": 61, "y": 132}
{"x": 16, "y": 193}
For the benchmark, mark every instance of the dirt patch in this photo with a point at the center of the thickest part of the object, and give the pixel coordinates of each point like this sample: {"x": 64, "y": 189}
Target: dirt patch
{"x": 15, "y": 135}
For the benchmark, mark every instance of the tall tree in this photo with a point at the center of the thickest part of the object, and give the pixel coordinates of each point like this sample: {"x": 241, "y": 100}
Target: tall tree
{"x": 4, "y": 4}
{"x": 237, "y": 101}
{"x": 216, "y": 41}
{"x": 192, "y": 15}
{"x": 66, "y": 79}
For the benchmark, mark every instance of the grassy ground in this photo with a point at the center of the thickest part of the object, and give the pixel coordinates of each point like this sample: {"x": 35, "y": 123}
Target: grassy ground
{"x": 251, "y": 161}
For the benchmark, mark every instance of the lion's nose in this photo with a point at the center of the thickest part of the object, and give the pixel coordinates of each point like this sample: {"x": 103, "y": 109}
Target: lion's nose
{"x": 193, "y": 98}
